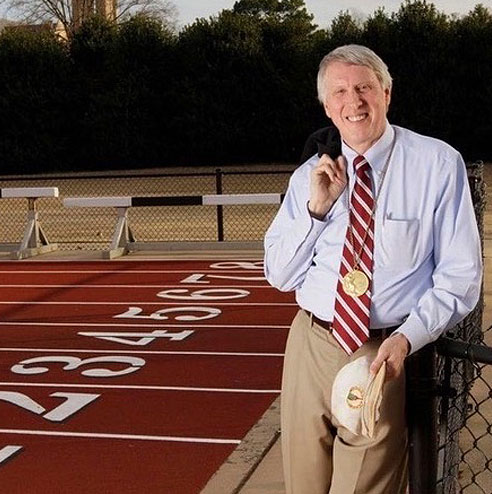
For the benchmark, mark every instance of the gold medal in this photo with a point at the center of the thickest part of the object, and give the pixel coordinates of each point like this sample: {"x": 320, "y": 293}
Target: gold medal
{"x": 355, "y": 283}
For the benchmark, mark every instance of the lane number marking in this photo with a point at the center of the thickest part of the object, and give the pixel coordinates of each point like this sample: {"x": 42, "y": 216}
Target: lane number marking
{"x": 159, "y": 315}
{"x": 72, "y": 404}
{"x": 206, "y": 294}
{"x": 199, "y": 278}
{"x": 8, "y": 452}
{"x": 73, "y": 363}
{"x": 248, "y": 265}
{"x": 141, "y": 339}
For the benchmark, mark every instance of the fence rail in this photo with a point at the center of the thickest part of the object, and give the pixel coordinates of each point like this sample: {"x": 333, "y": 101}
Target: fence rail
{"x": 92, "y": 229}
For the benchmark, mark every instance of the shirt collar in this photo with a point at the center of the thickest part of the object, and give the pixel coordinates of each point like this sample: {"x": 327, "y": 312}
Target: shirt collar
{"x": 376, "y": 155}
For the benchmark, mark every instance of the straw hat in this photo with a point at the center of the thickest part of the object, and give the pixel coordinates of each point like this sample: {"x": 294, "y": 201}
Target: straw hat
{"x": 356, "y": 396}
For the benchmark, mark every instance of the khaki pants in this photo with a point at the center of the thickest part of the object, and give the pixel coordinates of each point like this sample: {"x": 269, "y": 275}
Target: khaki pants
{"x": 320, "y": 456}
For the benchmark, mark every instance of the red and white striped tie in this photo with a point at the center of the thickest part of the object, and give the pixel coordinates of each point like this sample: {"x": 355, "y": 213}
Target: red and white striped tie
{"x": 351, "y": 316}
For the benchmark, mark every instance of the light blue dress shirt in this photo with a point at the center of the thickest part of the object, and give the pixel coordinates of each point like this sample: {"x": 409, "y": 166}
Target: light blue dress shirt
{"x": 427, "y": 261}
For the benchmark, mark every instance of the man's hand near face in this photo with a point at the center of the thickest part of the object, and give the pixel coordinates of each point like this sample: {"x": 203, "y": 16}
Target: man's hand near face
{"x": 328, "y": 180}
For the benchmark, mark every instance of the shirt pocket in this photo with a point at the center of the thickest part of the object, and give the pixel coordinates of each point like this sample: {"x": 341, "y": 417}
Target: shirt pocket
{"x": 398, "y": 245}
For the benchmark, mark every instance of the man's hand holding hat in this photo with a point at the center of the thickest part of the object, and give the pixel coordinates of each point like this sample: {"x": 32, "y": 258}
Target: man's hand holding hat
{"x": 356, "y": 396}
{"x": 393, "y": 351}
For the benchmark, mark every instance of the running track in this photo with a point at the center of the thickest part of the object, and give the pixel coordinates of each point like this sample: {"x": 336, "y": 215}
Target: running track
{"x": 133, "y": 376}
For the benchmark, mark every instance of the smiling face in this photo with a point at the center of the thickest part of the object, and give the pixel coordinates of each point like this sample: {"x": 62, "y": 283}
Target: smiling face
{"x": 357, "y": 103}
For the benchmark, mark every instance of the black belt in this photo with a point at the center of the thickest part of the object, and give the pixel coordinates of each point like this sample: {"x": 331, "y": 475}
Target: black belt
{"x": 374, "y": 333}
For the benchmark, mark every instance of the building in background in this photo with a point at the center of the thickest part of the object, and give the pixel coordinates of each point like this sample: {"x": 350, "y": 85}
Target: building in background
{"x": 79, "y": 12}
{"x": 82, "y": 9}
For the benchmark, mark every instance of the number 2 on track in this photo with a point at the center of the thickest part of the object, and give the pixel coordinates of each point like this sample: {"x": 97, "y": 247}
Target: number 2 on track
{"x": 72, "y": 404}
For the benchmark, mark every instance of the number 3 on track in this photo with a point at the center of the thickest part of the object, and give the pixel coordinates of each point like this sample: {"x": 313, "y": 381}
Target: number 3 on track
{"x": 72, "y": 363}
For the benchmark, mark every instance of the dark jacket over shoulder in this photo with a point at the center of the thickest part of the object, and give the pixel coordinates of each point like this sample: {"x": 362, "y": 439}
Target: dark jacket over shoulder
{"x": 324, "y": 141}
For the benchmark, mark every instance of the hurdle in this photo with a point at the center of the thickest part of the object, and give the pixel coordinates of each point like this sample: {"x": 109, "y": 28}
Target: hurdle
{"x": 124, "y": 241}
{"x": 34, "y": 240}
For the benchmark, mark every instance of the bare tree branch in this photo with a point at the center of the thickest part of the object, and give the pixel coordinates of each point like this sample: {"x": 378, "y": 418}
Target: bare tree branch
{"x": 68, "y": 11}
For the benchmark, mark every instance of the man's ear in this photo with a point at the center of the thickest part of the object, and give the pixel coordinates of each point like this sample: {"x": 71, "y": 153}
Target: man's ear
{"x": 327, "y": 112}
{"x": 387, "y": 92}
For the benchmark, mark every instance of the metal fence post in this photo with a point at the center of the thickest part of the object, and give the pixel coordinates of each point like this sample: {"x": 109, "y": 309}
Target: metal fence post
{"x": 220, "y": 211}
{"x": 422, "y": 420}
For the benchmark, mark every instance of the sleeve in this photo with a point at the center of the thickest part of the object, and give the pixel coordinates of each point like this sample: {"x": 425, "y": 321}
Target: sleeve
{"x": 290, "y": 240}
{"x": 457, "y": 273}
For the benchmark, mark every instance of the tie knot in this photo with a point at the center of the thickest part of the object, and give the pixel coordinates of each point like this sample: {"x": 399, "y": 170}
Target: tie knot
{"x": 360, "y": 164}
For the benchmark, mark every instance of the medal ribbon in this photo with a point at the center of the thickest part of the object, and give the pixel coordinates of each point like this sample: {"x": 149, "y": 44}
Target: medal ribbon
{"x": 353, "y": 298}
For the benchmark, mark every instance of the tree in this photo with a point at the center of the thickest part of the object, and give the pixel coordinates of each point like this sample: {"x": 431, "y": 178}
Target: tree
{"x": 281, "y": 20}
{"x": 72, "y": 13}
{"x": 247, "y": 81}
{"x": 278, "y": 10}
{"x": 34, "y": 84}
{"x": 470, "y": 88}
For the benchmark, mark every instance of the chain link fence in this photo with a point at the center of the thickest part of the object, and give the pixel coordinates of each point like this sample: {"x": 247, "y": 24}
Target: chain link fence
{"x": 92, "y": 228}
{"x": 465, "y": 404}
{"x": 464, "y": 440}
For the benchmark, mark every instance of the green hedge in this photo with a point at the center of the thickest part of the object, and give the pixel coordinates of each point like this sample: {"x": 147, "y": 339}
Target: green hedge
{"x": 237, "y": 87}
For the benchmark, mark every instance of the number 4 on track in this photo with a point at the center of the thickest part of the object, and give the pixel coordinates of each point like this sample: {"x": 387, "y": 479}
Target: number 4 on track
{"x": 139, "y": 339}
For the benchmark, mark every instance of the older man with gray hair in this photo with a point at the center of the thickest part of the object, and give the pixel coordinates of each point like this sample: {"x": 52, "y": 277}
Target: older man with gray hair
{"x": 382, "y": 249}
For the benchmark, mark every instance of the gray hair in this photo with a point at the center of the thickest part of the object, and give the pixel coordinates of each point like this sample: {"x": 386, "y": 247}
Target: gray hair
{"x": 355, "y": 55}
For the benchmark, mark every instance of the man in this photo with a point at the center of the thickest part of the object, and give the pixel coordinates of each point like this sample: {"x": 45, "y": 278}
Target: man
{"x": 382, "y": 248}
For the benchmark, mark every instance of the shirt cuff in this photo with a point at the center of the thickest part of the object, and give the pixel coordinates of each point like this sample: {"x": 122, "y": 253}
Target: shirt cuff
{"x": 317, "y": 224}
{"x": 416, "y": 333}
{"x": 316, "y": 216}
{"x": 324, "y": 218}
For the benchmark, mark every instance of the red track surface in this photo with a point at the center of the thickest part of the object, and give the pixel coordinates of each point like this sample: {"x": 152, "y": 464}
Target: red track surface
{"x": 108, "y": 387}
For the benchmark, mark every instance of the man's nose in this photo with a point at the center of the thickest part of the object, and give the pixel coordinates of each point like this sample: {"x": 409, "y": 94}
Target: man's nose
{"x": 354, "y": 97}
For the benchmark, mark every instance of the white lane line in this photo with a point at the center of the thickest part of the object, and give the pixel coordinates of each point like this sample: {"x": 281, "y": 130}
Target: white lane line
{"x": 8, "y": 452}
{"x": 222, "y": 272}
{"x": 142, "y": 387}
{"x": 142, "y": 352}
{"x": 183, "y": 285}
{"x": 150, "y": 325}
{"x": 157, "y": 302}
{"x": 131, "y": 437}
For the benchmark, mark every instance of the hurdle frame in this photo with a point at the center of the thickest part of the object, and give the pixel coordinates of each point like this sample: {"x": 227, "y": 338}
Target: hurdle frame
{"x": 34, "y": 240}
{"x": 124, "y": 241}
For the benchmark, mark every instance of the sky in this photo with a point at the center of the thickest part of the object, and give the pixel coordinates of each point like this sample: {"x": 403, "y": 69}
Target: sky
{"x": 324, "y": 10}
